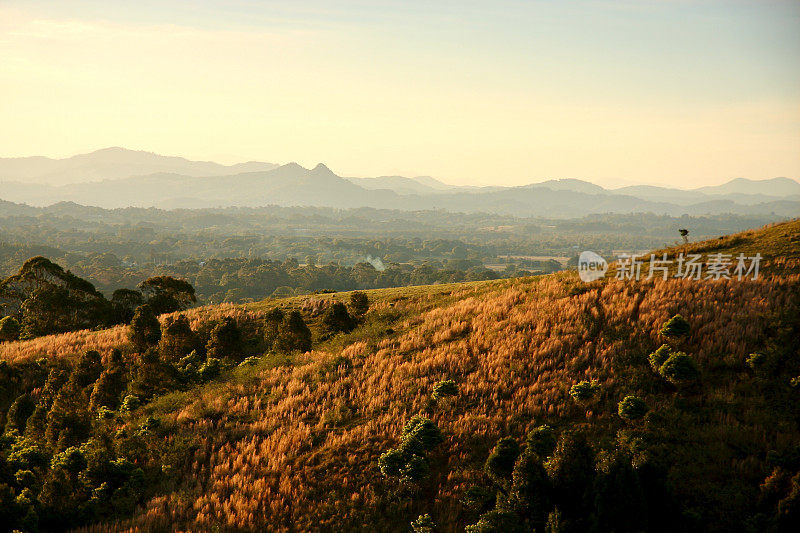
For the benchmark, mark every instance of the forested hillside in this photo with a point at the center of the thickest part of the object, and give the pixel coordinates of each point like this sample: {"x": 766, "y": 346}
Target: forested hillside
{"x": 527, "y": 404}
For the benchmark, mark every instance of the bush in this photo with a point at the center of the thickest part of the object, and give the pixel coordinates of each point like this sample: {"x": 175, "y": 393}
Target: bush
{"x": 210, "y": 369}
{"x": 423, "y": 524}
{"x": 496, "y": 521}
{"x": 145, "y": 330}
{"x": 9, "y": 329}
{"x": 676, "y": 326}
{"x": 226, "y": 340}
{"x": 500, "y": 464}
{"x": 359, "y": 303}
{"x": 584, "y": 391}
{"x": 271, "y": 324}
{"x": 679, "y": 368}
{"x": 632, "y": 408}
{"x": 757, "y": 361}
{"x": 130, "y": 403}
{"x": 658, "y": 357}
{"x": 445, "y": 388}
{"x": 293, "y": 334}
{"x": 541, "y": 441}
{"x": 336, "y": 319}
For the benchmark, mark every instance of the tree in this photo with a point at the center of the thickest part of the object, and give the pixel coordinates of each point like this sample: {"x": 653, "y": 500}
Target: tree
{"x": 658, "y": 357}
{"x": 124, "y": 303}
{"x": 177, "y": 339}
{"x": 88, "y": 369}
{"x": 571, "y": 472}
{"x": 9, "y": 329}
{"x": 496, "y": 521}
{"x": 445, "y": 388}
{"x": 423, "y": 524}
{"x": 675, "y": 327}
{"x": 632, "y": 408}
{"x": 271, "y": 324}
{"x": 293, "y": 334}
{"x": 336, "y": 319}
{"x": 617, "y": 482}
{"x": 359, "y": 303}
{"x": 166, "y": 294}
{"x": 19, "y": 413}
{"x": 69, "y": 422}
{"x": 145, "y": 330}
{"x": 529, "y": 495}
{"x": 225, "y": 340}
{"x": 111, "y": 384}
{"x": 679, "y": 368}
{"x": 500, "y": 464}
{"x": 584, "y": 391}
{"x": 49, "y": 299}
{"x": 542, "y": 441}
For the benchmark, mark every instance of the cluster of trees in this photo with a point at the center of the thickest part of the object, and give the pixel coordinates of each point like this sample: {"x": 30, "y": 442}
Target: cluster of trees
{"x": 66, "y": 457}
{"x": 74, "y": 449}
{"x": 42, "y": 298}
{"x": 559, "y": 483}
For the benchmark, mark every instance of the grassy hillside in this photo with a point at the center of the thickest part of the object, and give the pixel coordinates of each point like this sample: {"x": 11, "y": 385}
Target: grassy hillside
{"x": 293, "y": 441}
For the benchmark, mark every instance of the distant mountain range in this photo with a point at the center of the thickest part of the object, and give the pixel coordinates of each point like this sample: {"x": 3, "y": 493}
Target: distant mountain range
{"x": 115, "y": 177}
{"x": 112, "y": 163}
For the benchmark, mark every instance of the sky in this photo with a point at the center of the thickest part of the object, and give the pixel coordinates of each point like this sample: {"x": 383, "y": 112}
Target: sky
{"x": 501, "y": 92}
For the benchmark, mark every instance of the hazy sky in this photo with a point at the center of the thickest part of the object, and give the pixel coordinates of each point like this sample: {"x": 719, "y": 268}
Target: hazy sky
{"x": 681, "y": 92}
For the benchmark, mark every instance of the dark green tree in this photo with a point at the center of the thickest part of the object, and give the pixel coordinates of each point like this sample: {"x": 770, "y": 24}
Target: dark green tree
{"x": 226, "y": 341}
{"x": 632, "y": 408}
{"x": 359, "y": 303}
{"x": 9, "y": 329}
{"x": 166, "y": 294}
{"x": 336, "y": 319}
{"x": 675, "y": 327}
{"x": 111, "y": 384}
{"x": 177, "y": 339}
{"x": 541, "y": 440}
{"x": 293, "y": 334}
{"x": 500, "y": 464}
{"x": 124, "y": 303}
{"x": 571, "y": 472}
{"x": 616, "y": 482}
{"x": 272, "y": 323}
{"x": 679, "y": 368}
{"x": 145, "y": 329}
{"x": 530, "y": 492}
{"x": 497, "y": 521}
{"x": 19, "y": 413}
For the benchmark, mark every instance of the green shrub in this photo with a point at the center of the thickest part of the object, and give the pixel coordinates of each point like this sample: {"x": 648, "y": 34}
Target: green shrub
{"x": 336, "y": 319}
{"x": 423, "y": 524}
{"x": 632, "y": 408}
{"x": 445, "y": 388}
{"x": 359, "y": 303}
{"x": 500, "y": 464}
{"x": 542, "y": 441}
{"x": 210, "y": 369}
{"x": 679, "y": 368}
{"x": 497, "y": 521}
{"x": 677, "y": 326}
{"x": 9, "y": 329}
{"x": 130, "y": 402}
{"x": 584, "y": 391}
{"x": 659, "y": 357}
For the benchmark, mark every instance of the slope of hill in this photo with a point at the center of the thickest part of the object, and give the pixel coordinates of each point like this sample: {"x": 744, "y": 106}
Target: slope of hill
{"x": 293, "y": 442}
